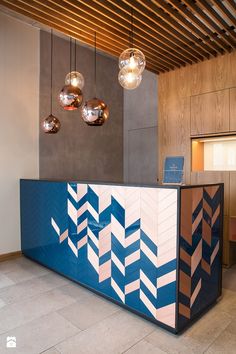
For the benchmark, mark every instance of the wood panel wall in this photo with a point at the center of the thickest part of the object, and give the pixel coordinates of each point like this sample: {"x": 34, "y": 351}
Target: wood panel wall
{"x": 200, "y": 100}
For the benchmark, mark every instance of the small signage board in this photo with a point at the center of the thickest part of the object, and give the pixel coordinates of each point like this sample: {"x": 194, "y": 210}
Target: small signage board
{"x": 173, "y": 170}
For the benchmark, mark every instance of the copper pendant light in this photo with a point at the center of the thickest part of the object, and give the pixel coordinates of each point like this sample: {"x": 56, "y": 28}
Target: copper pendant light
{"x": 51, "y": 124}
{"x": 95, "y": 111}
{"x": 70, "y": 97}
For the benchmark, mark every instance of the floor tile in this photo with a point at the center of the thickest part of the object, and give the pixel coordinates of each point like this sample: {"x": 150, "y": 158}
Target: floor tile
{"x": 229, "y": 279}
{"x": 52, "y": 350}
{"x": 32, "y": 287}
{"x": 27, "y": 271}
{"x": 58, "y": 308}
{"x": 17, "y": 314}
{"x": 114, "y": 334}
{"x": 7, "y": 266}
{"x": 143, "y": 347}
{"x": 2, "y": 304}
{"x": 75, "y": 290}
{"x": 39, "y": 335}
{"x": 5, "y": 281}
{"x": 196, "y": 339}
{"x": 88, "y": 311}
{"x": 227, "y": 303}
{"x": 224, "y": 344}
{"x": 232, "y": 327}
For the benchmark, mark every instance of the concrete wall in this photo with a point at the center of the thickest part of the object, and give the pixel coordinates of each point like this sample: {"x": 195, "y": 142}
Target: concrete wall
{"x": 19, "y": 92}
{"x": 140, "y": 132}
{"x": 79, "y": 151}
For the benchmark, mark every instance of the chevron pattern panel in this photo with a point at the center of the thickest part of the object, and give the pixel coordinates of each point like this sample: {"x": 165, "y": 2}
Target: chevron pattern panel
{"x": 154, "y": 250}
{"x": 199, "y": 250}
{"x": 126, "y": 234}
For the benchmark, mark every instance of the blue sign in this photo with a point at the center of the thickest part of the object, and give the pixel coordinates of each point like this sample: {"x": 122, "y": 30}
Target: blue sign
{"x": 173, "y": 169}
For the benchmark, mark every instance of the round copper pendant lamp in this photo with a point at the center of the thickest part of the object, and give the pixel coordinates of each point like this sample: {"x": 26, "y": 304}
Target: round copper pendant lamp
{"x": 51, "y": 124}
{"x": 95, "y": 111}
{"x": 71, "y": 96}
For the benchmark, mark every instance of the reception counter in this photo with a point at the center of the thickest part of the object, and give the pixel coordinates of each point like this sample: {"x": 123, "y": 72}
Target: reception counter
{"x": 155, "y": 250}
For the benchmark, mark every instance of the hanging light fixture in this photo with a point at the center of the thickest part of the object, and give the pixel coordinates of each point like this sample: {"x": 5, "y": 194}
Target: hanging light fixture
{"x": 95, "y": 111}
{"x": 130, "y": 79}
{"x": 75, "y": 78}
{"x": 132, "y": 58}
{"x": 71, "y": 96}
{"x": 132, "y": 63}
{"x": 51, "y": 124}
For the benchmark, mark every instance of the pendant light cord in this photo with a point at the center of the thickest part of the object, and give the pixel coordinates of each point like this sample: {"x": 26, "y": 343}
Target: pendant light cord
{"x": 132, "y": 28}
{"x": 95, "y": 63}
{"x": 75, "y": 55}
{"x": 51, "y": 68}
{"x": 70, "y": 58}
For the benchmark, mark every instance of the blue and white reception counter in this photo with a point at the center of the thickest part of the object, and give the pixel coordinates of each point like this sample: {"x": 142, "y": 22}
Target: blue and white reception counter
{"x": 154, "y": 249}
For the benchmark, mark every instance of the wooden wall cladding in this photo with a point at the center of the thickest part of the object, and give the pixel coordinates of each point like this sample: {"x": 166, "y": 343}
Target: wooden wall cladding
{"x": 232, "y": 204}
{"x": 197, "y": 100}
{"x": 210, "y": 113}
{"x": 232, "y": 99}
{"x": 175, "y": 126}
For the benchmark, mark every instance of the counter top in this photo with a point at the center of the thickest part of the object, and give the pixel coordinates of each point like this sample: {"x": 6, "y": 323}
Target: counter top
{"x": 150, "y": 185}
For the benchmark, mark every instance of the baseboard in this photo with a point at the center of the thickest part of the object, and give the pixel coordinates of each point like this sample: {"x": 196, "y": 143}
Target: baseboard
{"x": 9, "y": 256}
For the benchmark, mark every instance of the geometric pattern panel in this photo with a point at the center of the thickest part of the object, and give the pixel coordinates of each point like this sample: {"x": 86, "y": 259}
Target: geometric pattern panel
{"x": 122, "y": 242}
{"x": 126, "y": 236}
{"x": 200, "y": 254}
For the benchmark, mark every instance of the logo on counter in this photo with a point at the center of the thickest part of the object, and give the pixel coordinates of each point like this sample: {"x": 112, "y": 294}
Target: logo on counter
{"x": 11, "y": 342}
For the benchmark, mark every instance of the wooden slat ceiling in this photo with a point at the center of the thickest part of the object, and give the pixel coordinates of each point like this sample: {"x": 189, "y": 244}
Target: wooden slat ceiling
{"x": 171, "y": 33}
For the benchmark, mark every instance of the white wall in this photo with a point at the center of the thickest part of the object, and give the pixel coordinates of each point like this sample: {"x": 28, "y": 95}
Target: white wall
{"x": 19, "y": 117}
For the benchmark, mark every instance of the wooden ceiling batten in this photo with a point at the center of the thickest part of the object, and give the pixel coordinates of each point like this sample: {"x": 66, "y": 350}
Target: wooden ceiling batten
{"x": 200, "y": 25}
{"x": 75, "y": 18}
{"x": 164, "y": 29}
{"x": 223, "y": 9}
{"x": 219, "y": 19}
{"x": 157, "y": 36}
{"x": 171, "y": 33}
{"x": 206, "y": 19}
{"x": 232, "y": 4}
{"x": 151, "y": 29}
{"x": 154, "y": 46}
{"x": 186, "y": 24}
{"x": 196, "y": 42}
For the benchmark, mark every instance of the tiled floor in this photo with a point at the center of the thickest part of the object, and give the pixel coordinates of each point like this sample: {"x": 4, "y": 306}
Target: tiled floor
{"x": 50, "y": 314}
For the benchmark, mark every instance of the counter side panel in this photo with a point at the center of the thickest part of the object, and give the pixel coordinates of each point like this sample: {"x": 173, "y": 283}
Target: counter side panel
{"x": 200, "y": 251}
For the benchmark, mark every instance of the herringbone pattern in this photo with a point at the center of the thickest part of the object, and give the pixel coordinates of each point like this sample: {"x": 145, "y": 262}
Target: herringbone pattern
{"x": 199, "y": 249}
{"x": 128, "y": 235}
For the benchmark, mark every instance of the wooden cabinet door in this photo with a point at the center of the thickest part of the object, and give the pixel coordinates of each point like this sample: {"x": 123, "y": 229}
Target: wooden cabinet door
{"x": 210, "y": 113}
{"x": 232, "y": 109}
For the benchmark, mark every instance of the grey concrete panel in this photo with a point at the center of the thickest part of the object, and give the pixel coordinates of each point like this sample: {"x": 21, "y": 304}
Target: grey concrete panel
{"x": 79, "y": 151}
{"x": 142, "y": 155}
{"x": 140, "y": 111}
{"x": 140, "y": 105}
